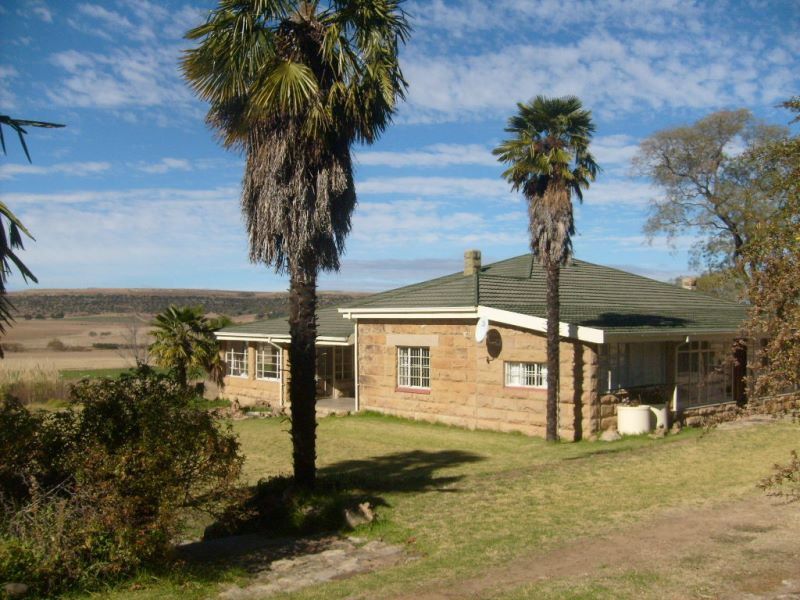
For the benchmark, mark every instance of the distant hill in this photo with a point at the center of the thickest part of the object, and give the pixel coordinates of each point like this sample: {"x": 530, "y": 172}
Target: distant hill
{"x": 96, "y": 301}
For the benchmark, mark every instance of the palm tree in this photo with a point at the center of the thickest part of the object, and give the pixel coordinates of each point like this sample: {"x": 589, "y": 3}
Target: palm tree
{"x": 548, "y": 159}
{"x": 184, "y": 342}
{"x": 13, "y": 240}
{"x": 294, "y": 85}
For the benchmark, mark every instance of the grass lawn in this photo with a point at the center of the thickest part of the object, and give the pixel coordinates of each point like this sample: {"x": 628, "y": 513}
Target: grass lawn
{"x": 464, "y": 502}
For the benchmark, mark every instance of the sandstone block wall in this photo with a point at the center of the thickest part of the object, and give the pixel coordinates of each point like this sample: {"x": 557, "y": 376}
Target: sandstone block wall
{"x": 468, "y": 385}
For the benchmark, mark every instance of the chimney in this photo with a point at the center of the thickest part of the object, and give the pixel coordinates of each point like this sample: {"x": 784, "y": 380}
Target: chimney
{"x": 689, "y": 283}
{"x": 472, "y": 262}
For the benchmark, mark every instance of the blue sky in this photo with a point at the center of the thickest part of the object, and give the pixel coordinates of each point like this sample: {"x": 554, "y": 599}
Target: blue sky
{"x": 135, "y": 192}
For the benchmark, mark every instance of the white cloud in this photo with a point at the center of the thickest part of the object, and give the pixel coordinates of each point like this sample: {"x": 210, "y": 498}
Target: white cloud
{"x": 436, "y": 155}
{"x": 126, "y": 77}
{"x": 443, "y": 187}
{"x": 618, "y": 58}
{"x": 403, "y": 222}
{"x": 614, "y": 150}
{"x": 165, "y": 165}
{"x": 77, "y": 169}
{"x": 7, "y": 98}
{"x": 112, "y": 21}
{"x": 41, "y": 10}
{"x": 93, "y": 237}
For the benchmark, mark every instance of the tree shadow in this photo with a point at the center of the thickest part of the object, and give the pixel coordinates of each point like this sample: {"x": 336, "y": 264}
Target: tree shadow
{"x": 412, "y": 471}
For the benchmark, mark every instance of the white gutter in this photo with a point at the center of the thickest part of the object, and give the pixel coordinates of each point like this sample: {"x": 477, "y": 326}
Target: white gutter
{"x": 285, "y": 339}
{"x": 504, "y": 317}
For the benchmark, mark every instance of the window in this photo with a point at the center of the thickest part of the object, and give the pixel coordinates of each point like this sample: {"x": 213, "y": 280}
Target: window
{"x": 704, "y": 373}
{"x": 344, "y": 363}
{"x": 413, "y": 368}
{"x": 236, "y": 359}
{"x": 268, "y": 362}
{"x": 630, "y": 365}
{"x": 525, "y": 374}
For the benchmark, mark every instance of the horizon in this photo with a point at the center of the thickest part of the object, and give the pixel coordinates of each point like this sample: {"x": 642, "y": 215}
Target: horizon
{"x": 135, "y": 193}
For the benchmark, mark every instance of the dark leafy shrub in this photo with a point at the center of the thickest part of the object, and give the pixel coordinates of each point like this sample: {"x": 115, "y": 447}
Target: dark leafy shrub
{"x": 106, "y": 346}
{"x": 56, "y": 345}
{"x": 93, "y": 494}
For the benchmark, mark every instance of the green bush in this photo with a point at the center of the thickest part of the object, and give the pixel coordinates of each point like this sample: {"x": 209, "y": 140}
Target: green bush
{"x": 56, "y": 345}
{"x": 95, "y": 493}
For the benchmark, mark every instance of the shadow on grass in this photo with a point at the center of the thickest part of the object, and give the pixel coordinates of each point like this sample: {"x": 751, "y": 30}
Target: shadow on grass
{"x": 276, "y": 508}
{"x": 412, "y": 471}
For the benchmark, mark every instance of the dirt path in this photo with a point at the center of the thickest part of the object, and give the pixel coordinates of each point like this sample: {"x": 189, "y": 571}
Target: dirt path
{"x": 745, "y": 549}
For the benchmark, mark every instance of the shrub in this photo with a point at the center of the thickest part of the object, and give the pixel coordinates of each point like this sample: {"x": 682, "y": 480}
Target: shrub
{"x": 106, "y": 346}
{"x": 56, "y": 345}
{"x": 785, "y": 480}
{"x": 93, "y": 494}
{"x": 13, "y": 347}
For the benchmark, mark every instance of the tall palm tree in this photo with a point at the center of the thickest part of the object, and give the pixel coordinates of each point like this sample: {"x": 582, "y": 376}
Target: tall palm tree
{"x": 293, "y": 84}
{"x": 548, "y": 160}
{"x": 184, "y": 342}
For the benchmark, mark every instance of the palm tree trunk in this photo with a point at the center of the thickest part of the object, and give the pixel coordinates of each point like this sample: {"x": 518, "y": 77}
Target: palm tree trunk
{"x": 302, "y": 367}
{"x": 553, "y": 270}
{"x": 181, "y": 376}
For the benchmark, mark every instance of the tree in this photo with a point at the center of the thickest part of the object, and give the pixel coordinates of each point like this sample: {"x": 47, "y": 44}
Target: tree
{"x": 710, "y": 185}
{"x": 293, "y": 85}
{"x": 774, "y": 250}
{"x": 184, "y": 342}
{"x": 12, "y": 241}
{"x": 549, "y": 161}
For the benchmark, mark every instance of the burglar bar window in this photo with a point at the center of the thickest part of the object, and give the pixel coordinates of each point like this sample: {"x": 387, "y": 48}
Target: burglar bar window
{"x": 413, "y": 368}
{"x": 525, "y": 374}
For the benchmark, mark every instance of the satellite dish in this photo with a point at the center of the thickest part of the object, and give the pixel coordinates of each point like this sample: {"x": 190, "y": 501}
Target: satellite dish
{"x": 481, "y": 328}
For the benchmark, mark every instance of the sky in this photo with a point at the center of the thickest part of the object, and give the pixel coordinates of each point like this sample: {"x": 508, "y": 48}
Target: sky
{"x": 136, "y": 192}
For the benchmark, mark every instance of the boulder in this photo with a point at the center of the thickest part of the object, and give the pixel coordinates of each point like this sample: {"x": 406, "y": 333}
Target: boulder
{"x": 610, "y": 435}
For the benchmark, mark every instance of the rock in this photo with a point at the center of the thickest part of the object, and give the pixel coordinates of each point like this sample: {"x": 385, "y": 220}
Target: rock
{"x": 358, "y": 541}
{"x": 15, "y": 590}
{"x": 659, "y": 433}
{"x": 610, "y": 435}
{"x": 676, "y": 428}
{"x": 363, "y": 515}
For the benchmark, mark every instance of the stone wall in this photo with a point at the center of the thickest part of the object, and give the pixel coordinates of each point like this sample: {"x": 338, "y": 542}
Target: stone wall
{"x": 468, "y": 385}
{"x": 701, "y": 415}
{"x": 249, "y": 391}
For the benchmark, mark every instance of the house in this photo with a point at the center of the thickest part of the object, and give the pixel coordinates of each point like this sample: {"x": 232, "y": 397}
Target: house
{"x": 413, "y": 351}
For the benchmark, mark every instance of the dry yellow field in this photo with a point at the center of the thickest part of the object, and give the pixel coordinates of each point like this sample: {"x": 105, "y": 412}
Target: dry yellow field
{"x": 34, "y": 335}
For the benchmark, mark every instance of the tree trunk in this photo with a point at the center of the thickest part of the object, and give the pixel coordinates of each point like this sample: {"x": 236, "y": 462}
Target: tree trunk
{"x": 181, "y": 375}
{"x": 302, "y": 369}
{"x": 553, "y": 270}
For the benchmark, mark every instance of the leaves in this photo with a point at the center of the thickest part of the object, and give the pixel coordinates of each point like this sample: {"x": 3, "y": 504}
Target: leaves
{"x": 184, "y": 341}
{"x": 549, "y": 160}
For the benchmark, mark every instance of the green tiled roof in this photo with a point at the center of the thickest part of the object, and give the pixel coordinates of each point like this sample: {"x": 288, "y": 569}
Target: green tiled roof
{"x": 591, "y": 296}
{"x": 329, "y": 324}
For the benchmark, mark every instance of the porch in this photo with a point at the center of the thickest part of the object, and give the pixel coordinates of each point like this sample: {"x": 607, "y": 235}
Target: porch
{"x": 342, "y": 405}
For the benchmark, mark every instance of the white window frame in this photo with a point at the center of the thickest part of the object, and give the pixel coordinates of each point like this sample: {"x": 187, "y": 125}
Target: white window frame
{"x": 236, "y": 362}
{"x": 520, "y": 374}
{"x": 414, "y": 367}
{"x": 267, "y": 356}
